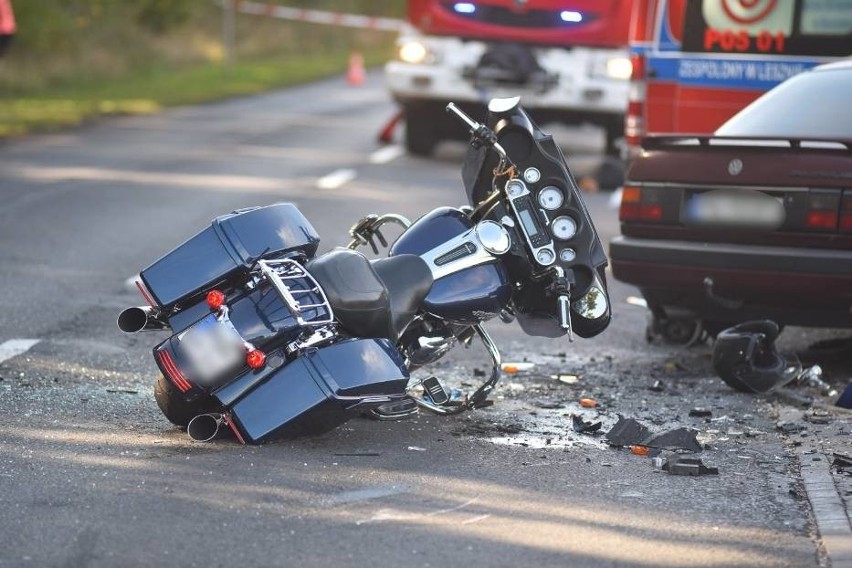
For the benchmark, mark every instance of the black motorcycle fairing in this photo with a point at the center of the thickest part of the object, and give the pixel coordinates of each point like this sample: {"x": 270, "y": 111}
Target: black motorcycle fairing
{"x": 377, "y": 299}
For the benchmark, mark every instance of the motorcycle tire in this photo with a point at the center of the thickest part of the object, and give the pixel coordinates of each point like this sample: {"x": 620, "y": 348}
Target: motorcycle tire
{"x": 178, "y": 411}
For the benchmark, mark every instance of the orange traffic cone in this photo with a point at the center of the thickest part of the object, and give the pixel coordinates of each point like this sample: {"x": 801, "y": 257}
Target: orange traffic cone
{"x": 355, "y": 75}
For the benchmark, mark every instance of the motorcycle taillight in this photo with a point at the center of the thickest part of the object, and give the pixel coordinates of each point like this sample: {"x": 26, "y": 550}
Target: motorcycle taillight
{"x": 172, "y": 371}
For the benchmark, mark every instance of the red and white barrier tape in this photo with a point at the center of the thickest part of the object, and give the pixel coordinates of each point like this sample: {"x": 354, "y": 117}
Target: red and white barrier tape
{"x": 317, "y": 16}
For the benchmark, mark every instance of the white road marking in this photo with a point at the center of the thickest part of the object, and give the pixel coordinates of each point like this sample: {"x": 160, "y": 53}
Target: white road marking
{"x": 336, "y": 178}
{"x": 387, "y": 154}
{"x": 15, "y": 347}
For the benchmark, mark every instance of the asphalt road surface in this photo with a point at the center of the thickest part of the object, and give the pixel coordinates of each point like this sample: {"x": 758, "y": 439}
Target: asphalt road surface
{"x": 92, "y": 475}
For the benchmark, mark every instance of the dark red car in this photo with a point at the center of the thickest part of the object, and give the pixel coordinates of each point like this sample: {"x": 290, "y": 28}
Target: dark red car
{"x": 754, "y": 221}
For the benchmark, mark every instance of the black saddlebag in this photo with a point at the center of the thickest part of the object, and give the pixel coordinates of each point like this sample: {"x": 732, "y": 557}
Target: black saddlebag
{"x": 228, "y": 246}
{"x": 321, "y": 389}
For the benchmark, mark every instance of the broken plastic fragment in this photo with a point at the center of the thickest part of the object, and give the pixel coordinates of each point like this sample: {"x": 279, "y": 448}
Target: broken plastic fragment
{"x": 677, "y": 439}
{"x": 639, "y": 450}
{"x": 567, "y": 379}
{"x": 701, "y": 412}
{"x": 513, "y": 368}
{"x": 629, "y": 432}
{"x": 584, "y": 427}
{"x": 688, "y": 466}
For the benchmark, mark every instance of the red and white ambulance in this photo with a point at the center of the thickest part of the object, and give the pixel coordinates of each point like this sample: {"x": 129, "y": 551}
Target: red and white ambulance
{"x": 697, "y": 62}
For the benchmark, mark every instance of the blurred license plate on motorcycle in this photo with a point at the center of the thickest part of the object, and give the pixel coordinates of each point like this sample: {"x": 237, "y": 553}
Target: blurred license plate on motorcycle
{"x": 733, "y": 209}
{"x": 213, "y": 347}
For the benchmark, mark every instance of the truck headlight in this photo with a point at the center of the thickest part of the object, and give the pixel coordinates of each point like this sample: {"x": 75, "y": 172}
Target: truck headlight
{"x": 619, "y": 68}
{"x": 413, "y": 52}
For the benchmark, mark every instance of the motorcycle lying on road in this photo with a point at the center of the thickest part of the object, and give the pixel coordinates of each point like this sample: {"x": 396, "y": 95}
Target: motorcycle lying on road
{"x": 273, "y": 341}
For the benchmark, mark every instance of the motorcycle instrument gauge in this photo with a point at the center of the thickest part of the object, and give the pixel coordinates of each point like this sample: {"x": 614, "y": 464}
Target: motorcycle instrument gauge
{"x": 515, "y": 187}
{"x": 550, "y": 198}
{"x": 564, "y": 228}
{"x": 568, "y": 255}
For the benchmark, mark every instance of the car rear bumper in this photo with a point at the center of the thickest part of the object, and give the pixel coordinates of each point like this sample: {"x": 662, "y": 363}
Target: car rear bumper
{"x": 726, "y": 282}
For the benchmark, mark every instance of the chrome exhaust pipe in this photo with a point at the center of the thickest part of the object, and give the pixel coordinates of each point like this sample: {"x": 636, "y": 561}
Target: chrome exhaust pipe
{"x": 206, "y": 427}
{"x": 141, "y": 318}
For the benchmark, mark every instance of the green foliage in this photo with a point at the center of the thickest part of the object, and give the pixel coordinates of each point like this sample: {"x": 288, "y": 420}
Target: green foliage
{"x": 73, "y": 59}
{"x": 160, "y": 16}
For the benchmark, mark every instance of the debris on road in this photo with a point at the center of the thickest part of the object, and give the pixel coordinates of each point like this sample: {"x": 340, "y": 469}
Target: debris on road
{"x": 812, "y": 377}
{"x": 629, "y": 432}
{"x": 567, "y": 379}
{"x": 639, "y": 450}
{"x": 677, "y": 439}
{"x": 658, "y": 386}
{"x": 701, "y": 412}
{"x": 791, "y": 427}
{"x": 583, "y": 427}
{"x": 688, "y": 466}
{"x": 122, "y": 391}
{"x": 512, "y": 368}
{"x": 588, "y": 403}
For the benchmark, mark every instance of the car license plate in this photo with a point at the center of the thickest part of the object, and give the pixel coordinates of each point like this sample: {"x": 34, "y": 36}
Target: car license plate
{"x": 734, "y": 209}
{"x": 212, "y": 347}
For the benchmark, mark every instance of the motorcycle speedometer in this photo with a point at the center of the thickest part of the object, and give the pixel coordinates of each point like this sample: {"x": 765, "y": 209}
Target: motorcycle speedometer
{"x": 551, "y": 198}
{"x": 564, "y": 227}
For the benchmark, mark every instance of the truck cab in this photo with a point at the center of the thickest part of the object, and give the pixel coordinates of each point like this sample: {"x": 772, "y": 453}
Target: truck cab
{"x": 568, "y": 64}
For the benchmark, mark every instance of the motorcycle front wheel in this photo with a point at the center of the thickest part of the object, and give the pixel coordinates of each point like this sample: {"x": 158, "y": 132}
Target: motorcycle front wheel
{"x": 178, "y": 411}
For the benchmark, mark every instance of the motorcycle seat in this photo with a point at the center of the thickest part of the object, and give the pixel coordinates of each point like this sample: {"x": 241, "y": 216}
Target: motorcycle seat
{"x": 372, "y": 299}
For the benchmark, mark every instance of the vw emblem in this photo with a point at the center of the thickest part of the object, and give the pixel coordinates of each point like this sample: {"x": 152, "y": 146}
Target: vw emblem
{"x": 735, "y": 166}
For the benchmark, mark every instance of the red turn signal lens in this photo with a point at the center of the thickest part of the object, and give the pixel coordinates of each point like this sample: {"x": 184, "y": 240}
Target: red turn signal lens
{"x": 215, "y": 299}
{"x": 255, "y": 359}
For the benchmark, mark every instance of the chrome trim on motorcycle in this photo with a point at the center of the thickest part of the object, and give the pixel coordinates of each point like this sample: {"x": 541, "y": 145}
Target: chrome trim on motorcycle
{"x": 277, "y": 271}
{"x": 205, "y": 427}
{"x": 141, "y": 318}
{"x": 480, "y": 395}
{"x": 468, "y": 249}
{"x": 367, "y": 227}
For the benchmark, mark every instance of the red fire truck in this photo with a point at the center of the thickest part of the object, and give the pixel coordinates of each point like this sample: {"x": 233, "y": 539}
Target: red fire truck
{"x": 567, "y": 60}
{"x": 697, "y": 62}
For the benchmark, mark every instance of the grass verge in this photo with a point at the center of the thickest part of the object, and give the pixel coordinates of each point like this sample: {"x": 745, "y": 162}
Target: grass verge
{"x": 142, "y": 92}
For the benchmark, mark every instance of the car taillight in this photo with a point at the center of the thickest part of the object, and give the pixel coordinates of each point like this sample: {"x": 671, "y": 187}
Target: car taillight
{"x": 823, "y": 210}
{"x": 255, "y": 359}
{"x": 638, "y": 204}
{"x": 846, "y": 212}
{"x": 215, "y": 299}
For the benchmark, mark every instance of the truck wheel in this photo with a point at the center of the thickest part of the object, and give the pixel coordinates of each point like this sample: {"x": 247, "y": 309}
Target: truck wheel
{"x": 420, "y": 139}
{"x": 178, "y": 411}
{"x": 613, "y": 134}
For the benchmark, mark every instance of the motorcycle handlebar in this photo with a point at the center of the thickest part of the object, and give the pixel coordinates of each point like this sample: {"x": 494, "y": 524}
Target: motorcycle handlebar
{"x": 480, "y": 134}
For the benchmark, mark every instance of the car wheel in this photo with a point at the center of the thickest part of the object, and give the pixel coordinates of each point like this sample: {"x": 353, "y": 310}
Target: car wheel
{"x": 178, "y": 411}
{"x": 681, "y": 331}
{"x": 420, "y": 139}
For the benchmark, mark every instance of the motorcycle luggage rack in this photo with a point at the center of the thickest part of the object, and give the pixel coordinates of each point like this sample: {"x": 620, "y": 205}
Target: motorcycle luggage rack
{"x": 279, "y": 272}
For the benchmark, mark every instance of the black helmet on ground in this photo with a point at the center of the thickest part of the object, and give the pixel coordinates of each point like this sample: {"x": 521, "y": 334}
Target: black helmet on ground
{"x": 744, "y": 356}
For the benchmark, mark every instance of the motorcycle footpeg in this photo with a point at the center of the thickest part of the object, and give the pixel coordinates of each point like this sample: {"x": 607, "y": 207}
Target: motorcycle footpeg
{"x": 396, "y": 410}
{"x": 435, "y": 390}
